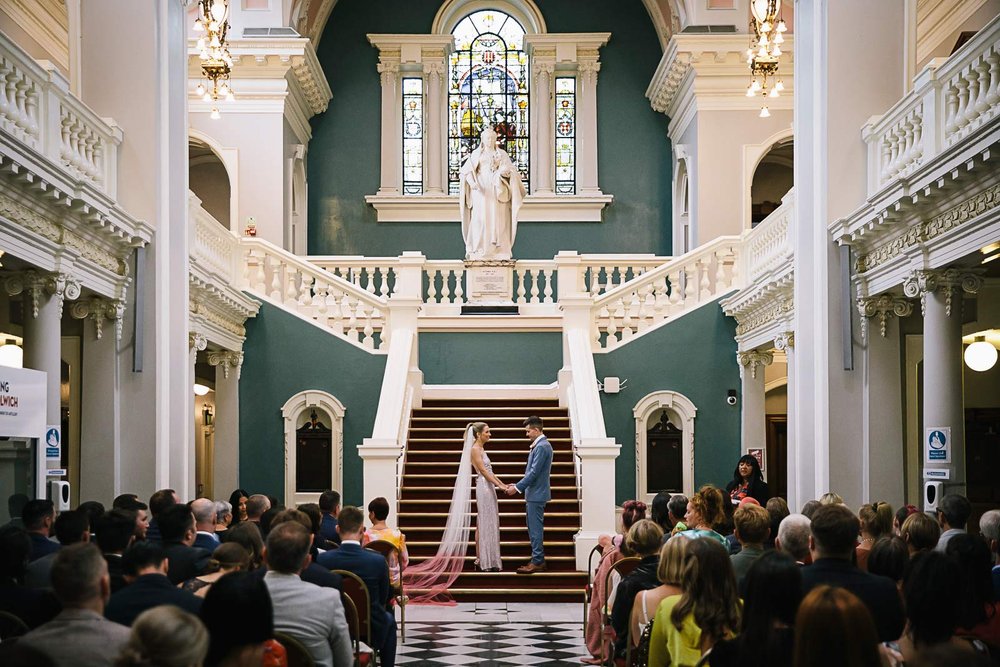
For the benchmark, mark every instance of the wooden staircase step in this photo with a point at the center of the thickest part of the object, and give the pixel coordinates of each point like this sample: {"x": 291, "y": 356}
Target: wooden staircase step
{"x": 505, "y": 402}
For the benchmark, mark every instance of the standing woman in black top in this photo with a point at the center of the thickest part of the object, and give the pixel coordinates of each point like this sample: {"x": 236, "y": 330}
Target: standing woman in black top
{"x": 748, "y": 480}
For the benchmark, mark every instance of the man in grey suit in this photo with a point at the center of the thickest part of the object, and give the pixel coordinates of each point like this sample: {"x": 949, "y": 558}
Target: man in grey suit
{"x": 80, "y": 635}
{"x": 309, "y": 613}
{"x": 535, "y": 487}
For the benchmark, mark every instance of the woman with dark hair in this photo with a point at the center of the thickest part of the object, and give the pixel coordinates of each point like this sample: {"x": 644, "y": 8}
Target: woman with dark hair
{"x": 888, "y": 558}
{"x": 238, "y": 499}
{"x": 748, "y": 480}
{"x": 902, "y": 514}
{"x": 686, "y": 626}
{"x": 979, "y": 614}
{"x": 705, "y": 511}
{"x": 228, "y": 557}
{"x": 245, "y": 638}
{"x": 247, "y": 535}
{"x": 659, "y": 511}
{"x": 833, "y": 628}
{"x": 773, "y": 593}
{"x": 378, "y": 511}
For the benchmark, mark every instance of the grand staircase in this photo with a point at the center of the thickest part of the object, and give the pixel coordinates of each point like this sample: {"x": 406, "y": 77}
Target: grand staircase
{"x": 433, "y": 451}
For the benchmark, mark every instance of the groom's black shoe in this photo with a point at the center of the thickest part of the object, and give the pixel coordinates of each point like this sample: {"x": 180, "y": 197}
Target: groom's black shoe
{"x": 531, "y": 568}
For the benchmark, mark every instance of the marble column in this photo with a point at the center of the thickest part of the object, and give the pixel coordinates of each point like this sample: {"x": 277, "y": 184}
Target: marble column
{"x": 226, "y": 444}
{"x": 752, "y": 412}
{"x": 390, "y": 178}
{"x": 543, "y": 135}
{"x": 435, "y": 124}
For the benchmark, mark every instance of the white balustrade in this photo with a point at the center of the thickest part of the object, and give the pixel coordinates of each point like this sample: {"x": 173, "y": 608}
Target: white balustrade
{"x": 37, "y": 110}
{"x": 375, "y": 275}
{"x": 213, "y": 248}
{"x": 603, "y": 273}
{"x": 769, "y": 246}
{"x": 534, "y": 282}
{"x": 445, "y": 280}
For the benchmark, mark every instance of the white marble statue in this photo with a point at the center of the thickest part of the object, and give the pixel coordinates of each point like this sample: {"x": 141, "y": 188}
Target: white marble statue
{"x": 490, "y": 198}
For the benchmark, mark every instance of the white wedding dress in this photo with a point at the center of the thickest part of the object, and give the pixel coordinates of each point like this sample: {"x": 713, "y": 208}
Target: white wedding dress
{"x": 487, "y": 520}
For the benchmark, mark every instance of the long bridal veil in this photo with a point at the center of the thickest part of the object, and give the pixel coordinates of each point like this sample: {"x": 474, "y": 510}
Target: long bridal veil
{"x": 431, "y": 579}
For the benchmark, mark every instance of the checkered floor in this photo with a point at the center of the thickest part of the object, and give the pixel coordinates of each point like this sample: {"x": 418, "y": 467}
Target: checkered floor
{"x": 433, "y": 644}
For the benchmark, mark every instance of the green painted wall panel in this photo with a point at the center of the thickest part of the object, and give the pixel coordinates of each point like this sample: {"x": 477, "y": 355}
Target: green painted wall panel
{"x": 490, "y": 358}
{"x": 632, "y": 138}
{"x": 284, "y": 355}
{"x": 696, "y": 356}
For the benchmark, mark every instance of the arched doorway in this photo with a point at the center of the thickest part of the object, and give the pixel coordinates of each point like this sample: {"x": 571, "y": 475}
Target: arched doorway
{"x": 209, "y": 181}
{"x": 772, "y": 179}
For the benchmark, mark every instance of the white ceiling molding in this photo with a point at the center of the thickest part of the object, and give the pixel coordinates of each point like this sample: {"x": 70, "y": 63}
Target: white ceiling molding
{"x": 937, "y": 20}
{"x": 46, "y": 22}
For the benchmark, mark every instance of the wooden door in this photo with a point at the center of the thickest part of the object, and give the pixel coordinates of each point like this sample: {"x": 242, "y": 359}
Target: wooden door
{"x": 776, "y": 474}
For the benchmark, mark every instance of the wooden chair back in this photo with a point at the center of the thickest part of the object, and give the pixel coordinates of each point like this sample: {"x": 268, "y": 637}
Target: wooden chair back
{"x": 623, "y": 567}
{"x": 588, "y": 590}
{"x": 298, "y": 655}
{"x": 354, "y": 587}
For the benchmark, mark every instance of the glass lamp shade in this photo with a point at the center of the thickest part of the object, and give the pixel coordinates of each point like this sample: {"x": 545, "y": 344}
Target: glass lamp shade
{"x": 980, "y": 356}
{"x": 759, "y": 9}
{"x": 200, "y": 389}
{"x": 11, "y": 355}
{"x": 764, "y": 113}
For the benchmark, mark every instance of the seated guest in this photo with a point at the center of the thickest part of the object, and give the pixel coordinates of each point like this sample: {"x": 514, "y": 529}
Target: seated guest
{"x": 979, "y": 614}
{"x": 378, "y": 511}
{"x": 311, "y": 614}
{"x": 668, "y": 573}
{"x": 257, "y": 504}
{"x": 39, "y": 516}
{"x": 204, "y": 524}
{"x": 989, "y": 526}
{"x": 70, "y": 528}
{"x": 267, "y": 518}
{"x": 141, "y": 511}
{"x": 747, "y": 481}
{"x": 708, "y": 610}
{"x": 80, "y": 635}
{"x": 601, "y": 598}
{"x": 953, "y": 513}
{"x": 93, "y": 510}
{"x": 15, "y": 506}
{"x": 374, "y": 571}
{"x": 876, "y": 521}
{"x": 229, "y": 557}
{"x": 793, "y": 537}
{"x": 239, "y": 639}
{"x": 677, "y": 507}
{"x": 247, "y": 535}
{"x": 33, "y": 606}
{"x": 659, "y": 512}
{"x": 177, "y": 528}
{"x": 777, "y": 509}
{"x": 314, "y": 573}
{"x": 704, "y": 512}
{"x": 223, "y": 517}
{"x": 901, "y": 515}
{"x": 834, "y": 534}
{"x": 315, "y": 515}
{"x": 834, "y": 627}
{"x": 809, "y": 508}
{"x": 238, "y": 501}
{"x": 920, "y": 532}
{"x": 158, "y": 502}
{"x": 644, "y": 540}
{"x": 830, "y": 498}
{"x": 329, "y": 504}
{"x": 888, "y": 558}
{"x": 753, "y": 525}
{"x": 165, "y": 637}
{"x": 115, "y": 532}
{"x": 146, "y": 569}
{"x": 119, "y": 502}
{"x": 773, "y": 588}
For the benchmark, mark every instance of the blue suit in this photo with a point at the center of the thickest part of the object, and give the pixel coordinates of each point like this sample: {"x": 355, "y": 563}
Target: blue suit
{"x": 374, "y": 571}
{"x": 535, "y": 487}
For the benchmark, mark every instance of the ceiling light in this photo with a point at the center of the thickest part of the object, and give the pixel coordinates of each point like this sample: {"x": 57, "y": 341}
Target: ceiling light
{"x": 981, "y": 355}
{"x": 11, "y": 354}
{"x": 200, "y": 389}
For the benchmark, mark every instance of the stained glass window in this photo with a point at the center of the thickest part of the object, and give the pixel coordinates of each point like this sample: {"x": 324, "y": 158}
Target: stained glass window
{"x": 565, "y": 135}
{"x": 488, "y": 87}
{"x": 413, "y": 136}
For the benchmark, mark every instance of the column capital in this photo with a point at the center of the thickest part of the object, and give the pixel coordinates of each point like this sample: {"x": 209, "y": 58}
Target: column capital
{"x": 58, "y": 285}
{"x": 99, "y": 309}
{"x": 435, "y": 67}
{"x": 388, "y": 71}
{"x": 948, "y": 281}
{"x": 883, "y": 307}
{"x": 752, "y": 359}
{"x": 540, "y": 67}
{"x": 227, "y": 359}
{"x": 197, "y": 341}
{"x": 785, "y": 341}
{"x": 589, "y": 69}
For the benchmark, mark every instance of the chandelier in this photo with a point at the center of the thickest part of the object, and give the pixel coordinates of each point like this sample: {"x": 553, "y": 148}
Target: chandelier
{"x": 216, "y": 63}
{"x": 767, "y": 30}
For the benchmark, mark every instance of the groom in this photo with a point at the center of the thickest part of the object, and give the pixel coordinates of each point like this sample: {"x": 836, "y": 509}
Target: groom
{"x": 535, "y": 487}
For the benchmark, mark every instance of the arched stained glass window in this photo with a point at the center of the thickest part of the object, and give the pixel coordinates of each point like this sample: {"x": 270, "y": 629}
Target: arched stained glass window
{"x": 488, "y": 86}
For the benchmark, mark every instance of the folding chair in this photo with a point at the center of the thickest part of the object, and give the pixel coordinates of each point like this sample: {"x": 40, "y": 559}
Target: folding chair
{"x": 355, "y": 589}
{"x": 588, "y": 590}
{"x": 623, "y": 567}
{"x": 298, "y": 654}
{"x": 351, "y": 612}
{"x": 390, "y": 551}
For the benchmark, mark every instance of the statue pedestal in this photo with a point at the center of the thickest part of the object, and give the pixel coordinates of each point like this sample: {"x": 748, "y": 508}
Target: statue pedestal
{"x": 489, "y": 286}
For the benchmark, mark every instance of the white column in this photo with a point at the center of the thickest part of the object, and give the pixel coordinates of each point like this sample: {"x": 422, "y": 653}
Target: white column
{"x": 44, "y": 295}
{"x": 800, "y": 488}
{"x": 543, "y": 126}
{"x": 435, "y": 124}
{"x": 753, "y": 431}
{"x": 390, "y": 179}
{"x": 586, "y": 151}
{"x": 226, "y": 454}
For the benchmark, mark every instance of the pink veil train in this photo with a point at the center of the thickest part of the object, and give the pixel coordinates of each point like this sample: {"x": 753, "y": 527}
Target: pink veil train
{"x": 435, "y": 576}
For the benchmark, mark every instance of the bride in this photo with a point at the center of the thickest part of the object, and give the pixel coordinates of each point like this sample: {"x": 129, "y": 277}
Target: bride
{"x": 430, "y": 580}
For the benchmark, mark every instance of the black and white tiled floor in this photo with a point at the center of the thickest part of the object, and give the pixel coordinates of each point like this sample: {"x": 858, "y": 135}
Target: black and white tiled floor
{"x": 490, "y": 634}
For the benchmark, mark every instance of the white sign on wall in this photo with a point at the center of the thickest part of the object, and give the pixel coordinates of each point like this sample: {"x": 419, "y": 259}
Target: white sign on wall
{"x": 22, "y": 403}
{"x": 937, "y": 444}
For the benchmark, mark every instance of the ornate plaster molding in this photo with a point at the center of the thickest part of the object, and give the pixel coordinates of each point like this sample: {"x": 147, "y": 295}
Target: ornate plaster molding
{"x": 948, "y": 281}
{"x": 226, "y": 359}
{"x": 197, "y": 341}
{"x": 883, "y": 307}
{"x": 59, "y": 286}
{"x": 772, "y": 310}
{"x": 785, "y": 342}
{"x": 98, "y": 310}
{"x": 750, "y": 361}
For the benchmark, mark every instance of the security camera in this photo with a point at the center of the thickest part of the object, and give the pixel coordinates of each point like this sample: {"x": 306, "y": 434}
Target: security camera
{"x": 731, "y": 397}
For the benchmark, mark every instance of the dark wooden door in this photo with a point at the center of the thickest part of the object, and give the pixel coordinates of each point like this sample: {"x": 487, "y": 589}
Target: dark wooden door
{"x": 313, "y": 457}
{"x": 776, "y": 474}
{"x": 664, "y": 459}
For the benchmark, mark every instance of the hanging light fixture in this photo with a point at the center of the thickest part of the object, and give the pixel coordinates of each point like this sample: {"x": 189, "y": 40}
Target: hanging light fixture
{"x": 981, "y": 355}
{"x": 200, "y": 389}
{"x": 212, "y": 25}
{"x": 766, "y": 35}
{"x": 11, "y": 354}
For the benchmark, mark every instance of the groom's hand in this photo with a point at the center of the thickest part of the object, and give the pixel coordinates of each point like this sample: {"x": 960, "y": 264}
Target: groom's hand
{"x": 511, "y": 490}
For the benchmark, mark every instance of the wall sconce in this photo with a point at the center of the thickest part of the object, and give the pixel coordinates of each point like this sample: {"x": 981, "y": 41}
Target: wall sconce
{"x": 207, "y": 415}
{"x": 11, "y": 354}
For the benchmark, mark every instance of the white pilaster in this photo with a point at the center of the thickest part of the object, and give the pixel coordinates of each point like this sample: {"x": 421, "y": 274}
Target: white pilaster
{"x": 586, "y": 157}
{"x": 226, "y": 454}
{"x": 543, "y": 125}
{"x": 435, "y": 123}
{"x": 390, "y": 176}
{"x": 753, "y": 429}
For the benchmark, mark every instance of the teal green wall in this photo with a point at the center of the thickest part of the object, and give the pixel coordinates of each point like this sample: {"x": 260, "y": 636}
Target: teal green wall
{"x": 696, "y": 356}
{"x": 490, "y": 358}
{"x": 632, "y": 138}
{"x": 284, "y": 355}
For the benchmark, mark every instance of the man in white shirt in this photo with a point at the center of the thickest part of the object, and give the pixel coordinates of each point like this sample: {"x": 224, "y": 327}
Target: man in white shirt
{"x": 309, "y": 613}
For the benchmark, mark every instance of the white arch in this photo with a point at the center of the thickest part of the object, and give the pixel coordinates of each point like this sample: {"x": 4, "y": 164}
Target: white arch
{"x": 752, "y": 155}
{"x": 451, "y": 12}
{"x": 230, "y": 158}
{"x": 292, "y": 411}
{"x": 682, "y": 412}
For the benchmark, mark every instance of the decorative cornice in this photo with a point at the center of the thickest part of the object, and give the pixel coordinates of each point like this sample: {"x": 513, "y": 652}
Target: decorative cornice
{"x": 883, "y": 307}
{"x": 227, "y": 360}
{"x": 948, "y": 281}
{"x": 775, "y": 308}
{"x": 752, "y": 359}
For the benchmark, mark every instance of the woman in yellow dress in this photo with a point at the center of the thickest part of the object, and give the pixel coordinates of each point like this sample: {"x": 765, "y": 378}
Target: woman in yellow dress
{"x": 378, "y": 510}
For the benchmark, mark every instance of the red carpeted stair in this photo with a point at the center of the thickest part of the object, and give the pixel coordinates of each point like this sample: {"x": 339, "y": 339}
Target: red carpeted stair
{"x": 432, "y": 455}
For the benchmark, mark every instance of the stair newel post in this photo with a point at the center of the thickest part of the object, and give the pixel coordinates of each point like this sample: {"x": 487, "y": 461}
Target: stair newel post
{"x": 570, "y": 274}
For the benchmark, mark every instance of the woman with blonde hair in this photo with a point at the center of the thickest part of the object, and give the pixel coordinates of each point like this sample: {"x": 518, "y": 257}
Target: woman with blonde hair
{"x": 165, "y": 636}
{"x": 668, "y": 573}
{"x": 644, "y": 540}
{"x": 876, "y": 521}
{"x": 705, "y": 511}
{"x": 228, "y": 557}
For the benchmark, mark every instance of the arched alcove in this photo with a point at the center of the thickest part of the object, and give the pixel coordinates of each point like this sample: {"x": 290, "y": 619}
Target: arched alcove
{"x": 312, "y": 413}
{"x": 772, "y": 179}
{"x": 209, "y": 180}
{"x": 648, "y": 413}
{"x": 524, "y": 12}
{"x": 682, "y": 209}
